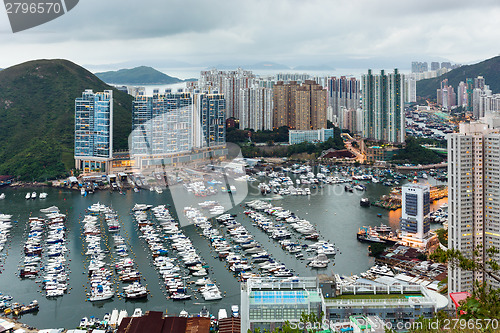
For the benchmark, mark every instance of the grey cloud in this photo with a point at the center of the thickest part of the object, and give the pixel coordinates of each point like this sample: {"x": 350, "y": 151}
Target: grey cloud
{"x": 292, "y": 31}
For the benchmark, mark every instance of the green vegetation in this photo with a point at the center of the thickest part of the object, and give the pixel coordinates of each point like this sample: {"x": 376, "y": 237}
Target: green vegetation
{"x": 430, "y": 141}
{"x": 240, "y": 136}
{"x": 138, "y": 75}
{"x": 414, "y": 153}
{"x": 37, "y": 101}
{"x": 442, "y": 236}
{"x": 376, "y": 249}
{"x": 250, "y": 150}
{"x": 489, "y": 69}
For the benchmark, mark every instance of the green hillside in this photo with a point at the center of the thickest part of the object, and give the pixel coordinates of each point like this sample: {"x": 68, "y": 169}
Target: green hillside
{"x": 489, "y": 69}
{"x": 37, "y": 117}
{"x": 137, "y": 76}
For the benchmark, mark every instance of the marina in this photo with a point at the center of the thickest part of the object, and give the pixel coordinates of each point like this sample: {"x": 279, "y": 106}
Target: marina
{"x": 329, "y": 217}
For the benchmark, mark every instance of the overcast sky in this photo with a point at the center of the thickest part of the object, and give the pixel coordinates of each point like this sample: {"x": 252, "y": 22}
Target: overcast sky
{"x": 338, "y": 33}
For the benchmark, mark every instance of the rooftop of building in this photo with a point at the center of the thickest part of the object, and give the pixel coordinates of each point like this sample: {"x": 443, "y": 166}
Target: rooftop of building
{"x": 458, "y": 297}
{"x": 155, "y": 322}
{"x": 343, "y": 153}
{"x": 5, "y": 178}
{"x": 417, "y": 186}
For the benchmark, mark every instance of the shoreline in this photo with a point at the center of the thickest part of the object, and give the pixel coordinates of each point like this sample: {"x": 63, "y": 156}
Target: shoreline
{"x": 19, "y": 325}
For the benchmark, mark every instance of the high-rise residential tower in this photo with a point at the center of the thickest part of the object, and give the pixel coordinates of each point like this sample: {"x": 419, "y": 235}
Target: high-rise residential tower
{"x": 310, "y": 106}
{"x": 284, "y": 104}
{"x": 229, "y": 83}
{"x": 94, "y": 131}
{"x": 299, "y": 107}
{"x": 211, "y": 109}
{"x": 343, "y": 93}
{"x": 383, "y": 106}
{"x": 473, "y": 200}
{"x": 162, "y": 123}
{"x": 256, "y": 108}
{"x": 166, "y": 124}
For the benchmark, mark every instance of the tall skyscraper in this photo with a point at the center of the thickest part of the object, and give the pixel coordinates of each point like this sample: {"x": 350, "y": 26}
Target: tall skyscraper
{"x": 415, "y": 219}
{"x": 256, "y": 108}
{"x": 383, "y": 107}
{"x": 228, "y": 83}
{"x": 310, "y": 109}
{"x": 479, "y": 82}
{"x": 299, "y": 107}
{"x": 446, "y": 96}
{"x": 162, "y": 123}
{"x": 419, "y": 67}
{"x": 94, "y": 131}
{"x": 343, "y": 93}
{"x": 446, "y": 64}
{"x": 473, "y": 200}
{"x": 434, "y": 66}
{"x": 462, "y": 94}
{"x": 211, "y": 109}
{"x": 284, "y": 104}
{"x": 470, "y": 92}
{"x": 169, "y": 123}
{"x": 410, "y": 91}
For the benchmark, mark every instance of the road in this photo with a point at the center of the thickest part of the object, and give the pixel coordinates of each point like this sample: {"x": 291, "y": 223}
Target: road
{"x": 360, "y": 157}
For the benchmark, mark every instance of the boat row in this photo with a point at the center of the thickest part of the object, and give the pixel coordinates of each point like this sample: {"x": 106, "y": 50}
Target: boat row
{"x": 100, "y": 277}
{"x": 249, "y": 258}
{"x": 279, "y": 231}
{"x": 55, "y": 280}
{"x": 34, "y": 195}
{"x": 155, "y": 235}
{"x": 5, "y": 226}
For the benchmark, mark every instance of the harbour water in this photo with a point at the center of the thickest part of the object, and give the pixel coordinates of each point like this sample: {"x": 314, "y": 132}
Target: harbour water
{"x": 336, "y": 214}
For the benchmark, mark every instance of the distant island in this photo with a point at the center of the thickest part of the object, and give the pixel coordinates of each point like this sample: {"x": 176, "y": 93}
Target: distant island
{"x": 142, "y": 75}
{"x": 258, "y": 66}
{"x": 314, "y": 68}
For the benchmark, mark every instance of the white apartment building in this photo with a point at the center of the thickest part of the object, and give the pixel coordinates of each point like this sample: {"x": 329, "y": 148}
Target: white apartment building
{"x": 474, "y": 199}
{"x": 415, "y": 220}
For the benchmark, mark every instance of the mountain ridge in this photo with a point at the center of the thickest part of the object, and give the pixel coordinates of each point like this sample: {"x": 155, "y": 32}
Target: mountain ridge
{"x": 142, "y": 75}
{"x": 489, "y": 69}
{"x": 37, "y": 117}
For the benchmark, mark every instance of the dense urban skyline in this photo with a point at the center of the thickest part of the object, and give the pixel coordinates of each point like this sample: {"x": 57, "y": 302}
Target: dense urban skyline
{"x": 382, "y": 34}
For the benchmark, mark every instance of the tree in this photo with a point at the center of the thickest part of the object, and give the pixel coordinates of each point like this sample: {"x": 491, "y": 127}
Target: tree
{"x": 456, "y": 259}
{"x": 442, "y": 236}
{"x": 376, "y": 249}
{"x": 484, "y": 302}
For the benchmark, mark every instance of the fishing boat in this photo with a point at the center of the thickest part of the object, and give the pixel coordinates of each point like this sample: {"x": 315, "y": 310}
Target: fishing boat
{"x": 180, "y": 296}
{"x": 222, "y": 314}
{"x": 51, "y": 209}
{"x": 101, "y": 293}
{"x": 135, "y": 291}
{"x": 235, "y": 311}
{"x": 364, "y": 202}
